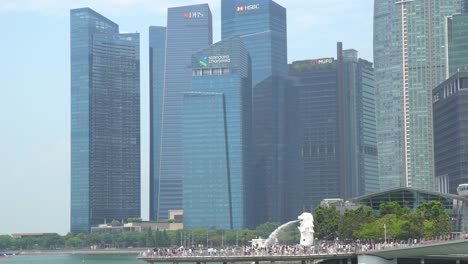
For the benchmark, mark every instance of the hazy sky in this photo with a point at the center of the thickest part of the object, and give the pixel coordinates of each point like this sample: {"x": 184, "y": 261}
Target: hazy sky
{"x": 35, "y": 89}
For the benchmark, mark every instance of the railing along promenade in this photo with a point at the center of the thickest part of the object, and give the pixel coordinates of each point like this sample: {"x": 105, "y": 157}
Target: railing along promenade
{"x": 323, "y": 251}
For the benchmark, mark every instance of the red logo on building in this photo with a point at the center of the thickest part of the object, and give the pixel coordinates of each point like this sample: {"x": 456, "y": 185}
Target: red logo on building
{"x": 240, "y": 8}
{"x": 186, "y": 15}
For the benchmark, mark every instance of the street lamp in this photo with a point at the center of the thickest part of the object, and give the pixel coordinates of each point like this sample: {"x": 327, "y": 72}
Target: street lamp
{"x": 385, "y": 232}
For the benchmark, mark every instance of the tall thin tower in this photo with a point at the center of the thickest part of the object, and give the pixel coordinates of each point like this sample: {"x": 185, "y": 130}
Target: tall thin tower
{"x": 189, "y": 29}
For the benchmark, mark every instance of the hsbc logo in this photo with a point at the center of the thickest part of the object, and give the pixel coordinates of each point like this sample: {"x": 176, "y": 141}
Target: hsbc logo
{"x": 247, "y": 8}
{"x": 188, "y": 15}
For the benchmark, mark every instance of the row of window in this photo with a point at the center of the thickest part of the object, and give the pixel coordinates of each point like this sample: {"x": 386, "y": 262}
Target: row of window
{"x": 211, "y": 71}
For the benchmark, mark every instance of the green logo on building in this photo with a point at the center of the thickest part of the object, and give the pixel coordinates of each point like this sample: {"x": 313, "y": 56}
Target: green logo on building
{"x": 203, "y": 61}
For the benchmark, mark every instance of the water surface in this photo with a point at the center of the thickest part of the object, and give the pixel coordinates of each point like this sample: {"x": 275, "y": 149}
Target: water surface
{"x": 73, "y": 259}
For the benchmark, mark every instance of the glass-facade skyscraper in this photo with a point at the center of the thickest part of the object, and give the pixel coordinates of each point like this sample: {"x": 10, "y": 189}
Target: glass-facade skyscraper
{"x": 157, "y": 53}
{"x": 410, "y": 60}
{"x": 105, "y": 121}
{"x": 189, "y": 29}
{"x": 457, "y": 36}
{"x": 262, "y": 26}
{"x": 359, "y": 89}
{"x": 217, "y": 137}
{"x": 337, "y": 118}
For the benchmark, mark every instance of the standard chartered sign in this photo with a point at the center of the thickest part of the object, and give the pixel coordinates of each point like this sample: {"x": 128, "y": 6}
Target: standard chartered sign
{"x": 219, "y": 59}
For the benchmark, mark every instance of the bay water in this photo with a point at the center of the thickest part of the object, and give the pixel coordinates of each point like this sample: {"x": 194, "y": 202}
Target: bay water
{"x": 73, "y": 259}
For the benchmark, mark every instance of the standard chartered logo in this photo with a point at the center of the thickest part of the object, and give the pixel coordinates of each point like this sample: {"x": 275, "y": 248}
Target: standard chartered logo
{"x": 203, "y": 61}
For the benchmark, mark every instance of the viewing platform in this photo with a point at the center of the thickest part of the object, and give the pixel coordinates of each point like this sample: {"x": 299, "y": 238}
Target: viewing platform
{"x": 443, "y": 251}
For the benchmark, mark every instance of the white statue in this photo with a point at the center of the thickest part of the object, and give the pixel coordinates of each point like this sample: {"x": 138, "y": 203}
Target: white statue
{"x": 307, "y": 229}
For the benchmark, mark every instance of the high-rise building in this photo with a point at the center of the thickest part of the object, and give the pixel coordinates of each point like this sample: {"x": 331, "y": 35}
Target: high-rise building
{"x": 105, "y": 121}
{"x": 450, "y": 108}
{"x": 337, "y": 117}
{"x": 189, "y": 29}
{"x": 262, "y": 26}
{"x": 359, "y": 87}
{"x": 410, "y": 58}
{"x": 457, "y": 37}
{"x": 157, "y": 53}
{"x": 217, "y": 137}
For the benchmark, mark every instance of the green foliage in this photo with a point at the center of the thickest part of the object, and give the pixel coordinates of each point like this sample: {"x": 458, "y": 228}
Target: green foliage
{"x": 354, "y": 220}
{"x": 115, "y": 223}
{"x": 436, "y": 221}
{"x": 390, "y": 208}
{"x": 429, "y": 220}
{"x": 326, "y": 220}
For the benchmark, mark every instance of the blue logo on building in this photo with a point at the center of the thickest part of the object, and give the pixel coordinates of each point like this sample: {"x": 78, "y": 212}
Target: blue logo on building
{"x": 203, "y": 61}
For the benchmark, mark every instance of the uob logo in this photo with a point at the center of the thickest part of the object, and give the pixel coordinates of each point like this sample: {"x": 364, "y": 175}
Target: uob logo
{"x": 203, "y": 61}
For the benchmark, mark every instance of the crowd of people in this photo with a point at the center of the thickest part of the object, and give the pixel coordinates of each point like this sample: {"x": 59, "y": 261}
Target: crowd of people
{"x": 278, "y": 250}
{"x": 325, "y": 247}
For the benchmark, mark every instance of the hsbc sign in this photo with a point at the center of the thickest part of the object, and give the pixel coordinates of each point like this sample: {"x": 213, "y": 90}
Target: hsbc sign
{"x": 188, "y": 15}
{"x": 247, "y": 8}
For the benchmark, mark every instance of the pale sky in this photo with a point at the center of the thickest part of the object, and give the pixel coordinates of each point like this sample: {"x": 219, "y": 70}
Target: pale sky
{"x": 35, "y": 89}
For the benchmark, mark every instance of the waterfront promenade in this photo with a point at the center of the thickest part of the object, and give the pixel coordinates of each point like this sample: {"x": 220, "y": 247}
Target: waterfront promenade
{"x": 347, "y": 252}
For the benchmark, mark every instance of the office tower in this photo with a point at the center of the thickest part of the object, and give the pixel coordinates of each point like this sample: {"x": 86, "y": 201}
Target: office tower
{"x": 157, "y": 53}
{"x": 189, "y": 29}
{"x": 409, "y": 57}
{"x": 262, "y": 26}
{"x": 217, "y": 137}
{"x": 337, "y": 114}
{"x": 450, "y": 106}
{"x": 105, "y": 121}
{"x": 359, "y": 87}
{"x": 457, "y": 37}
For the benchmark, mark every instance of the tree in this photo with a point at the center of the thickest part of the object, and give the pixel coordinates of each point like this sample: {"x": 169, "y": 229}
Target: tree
{"x": 149, "y": 239}
{"x": 116, "y": 223}
{"x": 392, "y": 208}
{"x": 326, "y": 221}
{"x": 354, "y": 220}
{"x": 436, "y": 220}
{"x": 6, "y": 242}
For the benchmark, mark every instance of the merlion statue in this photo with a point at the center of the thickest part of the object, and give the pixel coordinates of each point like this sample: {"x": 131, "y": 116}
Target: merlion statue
{"x": 307, "y": 229}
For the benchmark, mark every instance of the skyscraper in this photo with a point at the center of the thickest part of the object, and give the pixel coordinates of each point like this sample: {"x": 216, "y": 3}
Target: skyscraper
{"x": 105, "y": 121}
{"x": 337, "y": 117}
{"x": 359, "y": 88}
{"x": 457, "y": 37}
{"x": 189, "y": 29}
{"x": 409, "y": 57}
{"x": 262, "y": 26}
{"x": 450, "y": 101}
{"x": 217, "y": 137}
{"x": 157, "y": 50}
